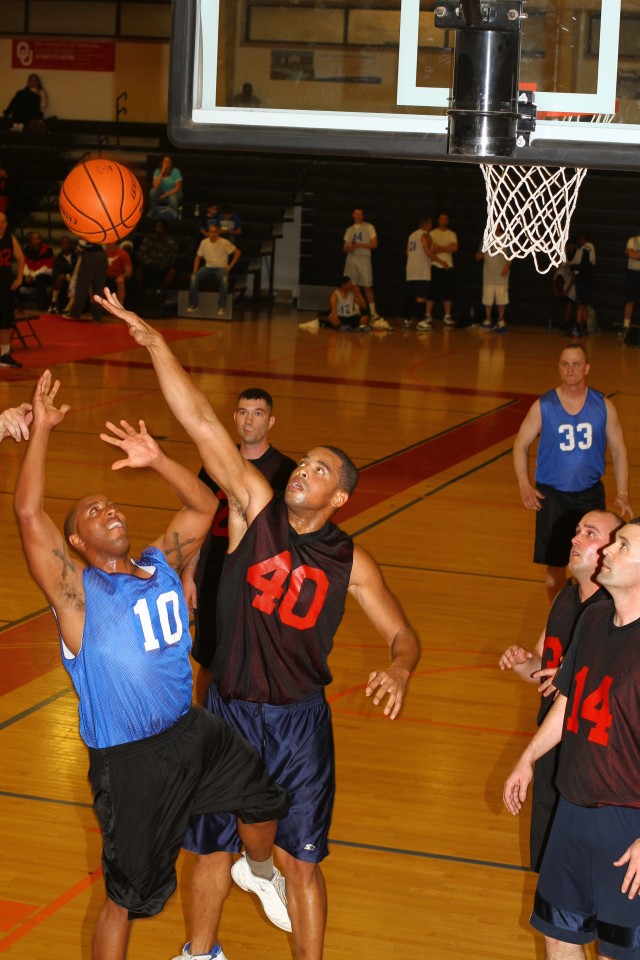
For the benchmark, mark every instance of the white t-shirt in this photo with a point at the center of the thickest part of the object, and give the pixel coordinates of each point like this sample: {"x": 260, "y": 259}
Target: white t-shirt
{"x": 442, "y": 238}
{"x": 360, "y": 233}
{"x": 216, "y": 254}
{"x": 634, "y": 244}
{"x": 418, "y": 263}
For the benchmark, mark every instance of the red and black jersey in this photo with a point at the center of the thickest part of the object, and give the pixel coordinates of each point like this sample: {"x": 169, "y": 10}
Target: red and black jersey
{"x": 280, "y": 602}
{"x": 6, "y": 259}
{"x": 600, "y": 750}
{"x": 277, "y": 468}
{"x": 563, "y": 616}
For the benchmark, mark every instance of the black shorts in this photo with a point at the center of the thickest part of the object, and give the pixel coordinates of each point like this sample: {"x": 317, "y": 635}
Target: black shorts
{"x": 144, "y": 793}
{"x": 417, "y": 289}
{"x": 442, "y": 284}
{"x": 583, "y": 293}
{"x": 7, "y": 308}
{"x": 557, "y": 519}
{"x": 632, "y": 289}
{"x": 578, "y": 899}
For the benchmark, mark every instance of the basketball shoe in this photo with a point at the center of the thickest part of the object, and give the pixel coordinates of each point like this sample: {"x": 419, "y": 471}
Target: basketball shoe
{"x": 214, "y": 954}
{"x": 272, "y": 892}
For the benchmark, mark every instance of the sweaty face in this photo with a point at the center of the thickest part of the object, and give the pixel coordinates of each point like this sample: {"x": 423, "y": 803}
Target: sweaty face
{"x": 101, "y": 526}
{"x": 594, "y": 532}
{"x": 621, "y": 560}
{"x": 314, "y": 484}
{"x": 253, "y": 420}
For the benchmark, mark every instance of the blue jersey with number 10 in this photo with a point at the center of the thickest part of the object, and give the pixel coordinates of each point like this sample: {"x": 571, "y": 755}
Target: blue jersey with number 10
{"x": 132, "y": 673}
{"x": 572, "y": 446}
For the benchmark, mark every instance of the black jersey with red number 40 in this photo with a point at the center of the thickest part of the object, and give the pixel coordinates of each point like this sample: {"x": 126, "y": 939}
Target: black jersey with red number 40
{"x": 280, "y": 602}
{"x": 559, "y": 631}
{"x": 600, "y": 750}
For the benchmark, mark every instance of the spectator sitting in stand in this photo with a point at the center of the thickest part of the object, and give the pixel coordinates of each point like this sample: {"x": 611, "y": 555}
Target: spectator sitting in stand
{"x": 34, "y": 83}
{"x": 62, "y": 269}
{"x": 24, "y": 108}
{"x": 165, "y": 196}
{"x": 246, "y": 98}
{"x": 38, "y": 268}
{"x": 5, "y": 190}
{"x": 156, "y": 259}
{"x": 229, "y": 222}
{"x": 119, "y": 269}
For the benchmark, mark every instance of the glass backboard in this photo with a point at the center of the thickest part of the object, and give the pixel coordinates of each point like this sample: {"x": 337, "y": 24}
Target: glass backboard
{"x": 373, "y": 77}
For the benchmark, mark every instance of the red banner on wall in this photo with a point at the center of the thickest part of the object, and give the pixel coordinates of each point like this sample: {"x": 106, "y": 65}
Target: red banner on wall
{"x": 64, "y": 55}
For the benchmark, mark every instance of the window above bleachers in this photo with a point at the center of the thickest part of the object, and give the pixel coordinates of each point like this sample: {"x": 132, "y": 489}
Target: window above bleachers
{"x": 119, "y": 19}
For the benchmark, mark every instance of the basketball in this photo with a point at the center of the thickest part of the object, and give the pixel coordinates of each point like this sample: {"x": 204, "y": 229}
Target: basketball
{"x": 101, "y": 201}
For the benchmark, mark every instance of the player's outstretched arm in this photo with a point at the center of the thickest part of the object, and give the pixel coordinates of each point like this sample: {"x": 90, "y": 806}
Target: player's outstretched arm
{"x": 14, "y": 422}
{"x": 529, "y": 430}
{"x": 620, "y": 459}
{"x": 548, "y": 735}
{"x": 368, "y": 587}
{"x": 47, "y": 553}
{"x": 189, "y": 527}
{"x": 191, "y": 407}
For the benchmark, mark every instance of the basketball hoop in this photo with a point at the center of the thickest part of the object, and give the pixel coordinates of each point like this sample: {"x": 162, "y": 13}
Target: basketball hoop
{"x": 529, "y": 209}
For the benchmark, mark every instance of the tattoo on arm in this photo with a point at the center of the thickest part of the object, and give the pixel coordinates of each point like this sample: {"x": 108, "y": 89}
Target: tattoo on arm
{"x": 67, "y": 564}
{"x": 174, "y": 553}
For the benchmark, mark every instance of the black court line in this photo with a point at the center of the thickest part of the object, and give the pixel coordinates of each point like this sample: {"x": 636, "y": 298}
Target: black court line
{"x": 457, "y": 573}
{"x": 374, "y": 848}
{"x": 36, "y": 706}
{"x": 29, "y": 616}
{"x": 431, "y": 493}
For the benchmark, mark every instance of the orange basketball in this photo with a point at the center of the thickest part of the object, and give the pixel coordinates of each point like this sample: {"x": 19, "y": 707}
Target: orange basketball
{"x": 101, "y": 201}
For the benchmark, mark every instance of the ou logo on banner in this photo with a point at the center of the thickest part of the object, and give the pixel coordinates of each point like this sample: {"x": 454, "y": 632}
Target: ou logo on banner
{"x": 24, "y": 53}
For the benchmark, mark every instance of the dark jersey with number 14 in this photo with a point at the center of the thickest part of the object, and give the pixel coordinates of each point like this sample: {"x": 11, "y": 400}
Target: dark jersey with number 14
{"x": 280, "y": 602}
{"x": 600, "y": 750}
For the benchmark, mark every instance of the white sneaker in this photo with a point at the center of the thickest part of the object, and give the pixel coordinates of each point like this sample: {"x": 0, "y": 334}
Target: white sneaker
{"x": 424, "y": 325}
{"x": 214, "y": 954}
{"x": 487, "y": 324}
{"x": 271, "y": 892}
{"x": 381, "y": 324}
{"x": 311, "y": 326}
{"x": 406, "y": 323}
{"x": 191, "y": 309}
{"x": 222, "y": 312}
{"x": 449, "y": 321}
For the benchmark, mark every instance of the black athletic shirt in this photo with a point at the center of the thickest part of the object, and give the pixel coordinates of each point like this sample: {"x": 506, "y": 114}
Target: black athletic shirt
{"x": 280, "y": 602}
{"x": 600, "y": 750}
{"x": 563, "y": 616}
{"x": 277, "y": 468}
{"x": 6, "y": 259}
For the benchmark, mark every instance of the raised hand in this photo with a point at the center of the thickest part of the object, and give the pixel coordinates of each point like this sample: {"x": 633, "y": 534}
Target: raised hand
{"x": 140, "y": 447}
{"x": 45, "y": 413}
{"x": 141, "y": 332}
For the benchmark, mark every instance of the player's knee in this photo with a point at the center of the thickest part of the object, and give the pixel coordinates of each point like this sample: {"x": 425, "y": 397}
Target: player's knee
{"x": 299, "y": 873}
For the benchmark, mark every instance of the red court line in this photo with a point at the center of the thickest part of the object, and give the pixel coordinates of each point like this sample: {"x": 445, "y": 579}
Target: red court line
{"x": 45, "y": 912}
{"x": 397, "y": 385}
{"x": 389, "y": 477}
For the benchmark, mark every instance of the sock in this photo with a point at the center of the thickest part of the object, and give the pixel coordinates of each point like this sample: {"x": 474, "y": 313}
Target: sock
{"x": 626, "y": 323}
{"x": 5, "y": 348}
{"x": 261, "y": 868}
{"x": 54, "y": 296}
{"x": 372, "y": 309}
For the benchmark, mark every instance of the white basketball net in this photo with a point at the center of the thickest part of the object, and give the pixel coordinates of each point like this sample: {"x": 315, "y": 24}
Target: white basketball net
{"x": 529, "y": 209}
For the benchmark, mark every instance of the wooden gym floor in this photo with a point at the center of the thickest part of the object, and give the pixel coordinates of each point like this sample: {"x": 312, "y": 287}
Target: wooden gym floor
{"x": 425, "y": 862}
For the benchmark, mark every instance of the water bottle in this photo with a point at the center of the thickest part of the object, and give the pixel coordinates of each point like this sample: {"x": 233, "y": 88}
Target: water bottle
{"x": 196, "y": 210}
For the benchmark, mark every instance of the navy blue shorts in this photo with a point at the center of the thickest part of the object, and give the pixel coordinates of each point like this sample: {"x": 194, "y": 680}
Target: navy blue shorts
{"x": 578, "y": 899}
{"x": 296, "y": 744}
